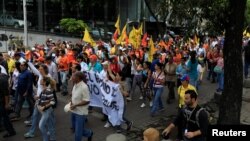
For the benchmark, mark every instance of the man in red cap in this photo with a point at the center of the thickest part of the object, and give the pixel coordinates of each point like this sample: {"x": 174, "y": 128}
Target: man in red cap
{"x": 94, "y": 65}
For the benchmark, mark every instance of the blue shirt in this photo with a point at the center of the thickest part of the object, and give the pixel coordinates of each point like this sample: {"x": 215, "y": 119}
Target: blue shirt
{"x": 24, "y": 83}
{"x": 96, "y": 68}
{"x": 193, "y": 72}
{"x": 180, "y": 70}
{"x": 153, "y": 64}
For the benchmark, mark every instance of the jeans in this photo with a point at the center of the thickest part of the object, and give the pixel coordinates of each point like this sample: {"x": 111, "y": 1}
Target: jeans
{"x": 35, "y": 116}
{"x": 211, "y": 71}
{"x": 221, "y": 80}
{"x": 128, "y": 83}
{"x": 20, "y": 102}
{"x": 157, "y": 103}
{"x": 193, "y": 82}
{"x": 63, "y": 75}
{"x": 52, "y": 126}
{"x": 79, "y": 127}
{"x": 51, "y": 123}
{"x": 137, "y": 80}
{"x": 5, "y": 118}
{"x": 246, "y": 66}
{"x": 44, "y": 122}
{"x": 146, "y": 93}
{"x": 171, "y": 93}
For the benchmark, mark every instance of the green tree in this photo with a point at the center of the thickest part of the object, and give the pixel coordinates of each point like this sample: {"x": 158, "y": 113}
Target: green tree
{"x": 72, "y": 25}
{"x": 203, "y": 15}
{"x": 247, "y": 14}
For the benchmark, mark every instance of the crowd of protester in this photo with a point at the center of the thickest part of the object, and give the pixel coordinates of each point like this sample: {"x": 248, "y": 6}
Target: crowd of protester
{"x": 40, "y": 74}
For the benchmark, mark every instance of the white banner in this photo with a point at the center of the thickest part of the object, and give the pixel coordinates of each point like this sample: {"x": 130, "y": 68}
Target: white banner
{"x": 107, "y": 95}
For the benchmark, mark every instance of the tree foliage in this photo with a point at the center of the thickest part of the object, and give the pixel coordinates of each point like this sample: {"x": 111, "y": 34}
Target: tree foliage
{"x": 247, "y": 13}
{"x": 196, "y": 16}
{"x": 72, "y": 25}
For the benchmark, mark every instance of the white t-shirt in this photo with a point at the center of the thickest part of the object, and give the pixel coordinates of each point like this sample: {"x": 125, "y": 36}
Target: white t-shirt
{"x": 40, "y": 77}
{"x": 84, "y": 66}
{"x": 103, "y": 75}
{"x": 199, "y": 68}
{"x": 15, "y": 79}
{"x": 158, "y": 76}
{"x": 80, "y": 93}
{"x": 3, "y": 70}
{"x": 133, "y": 71}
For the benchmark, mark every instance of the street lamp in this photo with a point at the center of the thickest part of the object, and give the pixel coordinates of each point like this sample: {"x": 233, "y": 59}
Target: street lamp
{"x": 25, "y": 24}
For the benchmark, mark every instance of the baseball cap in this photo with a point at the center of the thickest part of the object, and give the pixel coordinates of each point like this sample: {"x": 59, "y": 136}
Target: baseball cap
{"x": 94, "y": 57}
{"x": 185, "y": 77}
{"x": 67, "y": 108}
{"x": 105, "y": 63}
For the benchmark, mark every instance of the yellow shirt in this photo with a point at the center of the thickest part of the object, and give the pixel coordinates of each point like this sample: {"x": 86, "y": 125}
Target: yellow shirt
{"x": 11, "y": 65}
{"x": 181, "y": 93}
{"x": 112, "y": 51}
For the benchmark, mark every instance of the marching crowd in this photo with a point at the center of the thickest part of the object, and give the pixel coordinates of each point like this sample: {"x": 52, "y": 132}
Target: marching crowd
{"x": 36, "y": 75}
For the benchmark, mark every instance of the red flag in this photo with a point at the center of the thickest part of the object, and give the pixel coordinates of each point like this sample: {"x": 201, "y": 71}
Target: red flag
{"x": 144, "y": 41}
{"x": 115, "y": 36}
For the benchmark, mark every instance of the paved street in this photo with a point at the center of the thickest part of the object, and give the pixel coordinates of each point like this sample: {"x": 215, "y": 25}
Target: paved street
{"x": 140, "y": 117}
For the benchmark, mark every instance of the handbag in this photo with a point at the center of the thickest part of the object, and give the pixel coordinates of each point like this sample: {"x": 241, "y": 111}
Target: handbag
{"x": 217, "y": 69}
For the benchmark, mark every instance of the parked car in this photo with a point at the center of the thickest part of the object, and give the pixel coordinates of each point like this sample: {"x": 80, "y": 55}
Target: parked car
{"x": 9, "y": 20}
{"x": 99, "y": 32}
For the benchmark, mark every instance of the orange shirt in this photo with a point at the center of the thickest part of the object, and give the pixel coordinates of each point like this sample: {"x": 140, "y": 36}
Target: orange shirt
{"x": 71, "y": 57}
{"x": 41, "y": 53}
{"x": 63, "y": 63}
{"x": 28, "y": 55}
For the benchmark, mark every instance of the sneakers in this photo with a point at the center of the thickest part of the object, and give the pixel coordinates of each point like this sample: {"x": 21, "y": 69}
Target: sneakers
{"x": 141, "y": 97}
{"x": 129, "y": 98}
{"x": 129, "y": 126}
{"x": 161, "y": 110}
{"x": 107, "y": 125}
{"x": 150, "y": 103}
{"x": 28, "y": 122}
{"x": 143, "y": 105}
{"x": 29, "y": 135}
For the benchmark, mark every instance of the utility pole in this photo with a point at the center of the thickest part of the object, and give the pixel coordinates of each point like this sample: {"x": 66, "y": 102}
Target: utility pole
{"x": 25, "y": 39}
{"x": 3, "y": 13}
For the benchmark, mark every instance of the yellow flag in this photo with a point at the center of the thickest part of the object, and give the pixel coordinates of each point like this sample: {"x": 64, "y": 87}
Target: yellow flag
{"x": 132, "y": 37}
{"x": 151, "y": 50}
{"x": 140, "y": 30}
{"x": 87, "y": 38}
{"x": 123, "y": 35}
{"x": 117, "y": 25}
{"x": 196, "y": 39}
{"x": 244, "y": 32}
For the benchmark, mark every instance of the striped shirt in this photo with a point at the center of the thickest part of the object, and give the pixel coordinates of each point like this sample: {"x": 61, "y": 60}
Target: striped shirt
{"x": 46, "y": 97}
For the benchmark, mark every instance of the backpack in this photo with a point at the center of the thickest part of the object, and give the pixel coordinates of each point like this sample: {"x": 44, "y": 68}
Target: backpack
{"x": 197, "y": 116}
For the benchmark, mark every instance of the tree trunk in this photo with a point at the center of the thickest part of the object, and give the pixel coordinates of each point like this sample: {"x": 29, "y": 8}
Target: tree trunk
{"x": 231, "y": 99}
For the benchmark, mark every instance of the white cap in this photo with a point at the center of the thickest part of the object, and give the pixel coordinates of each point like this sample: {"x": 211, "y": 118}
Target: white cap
{"x": 67, "y": 107}
{"x": 105, "y": 63}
